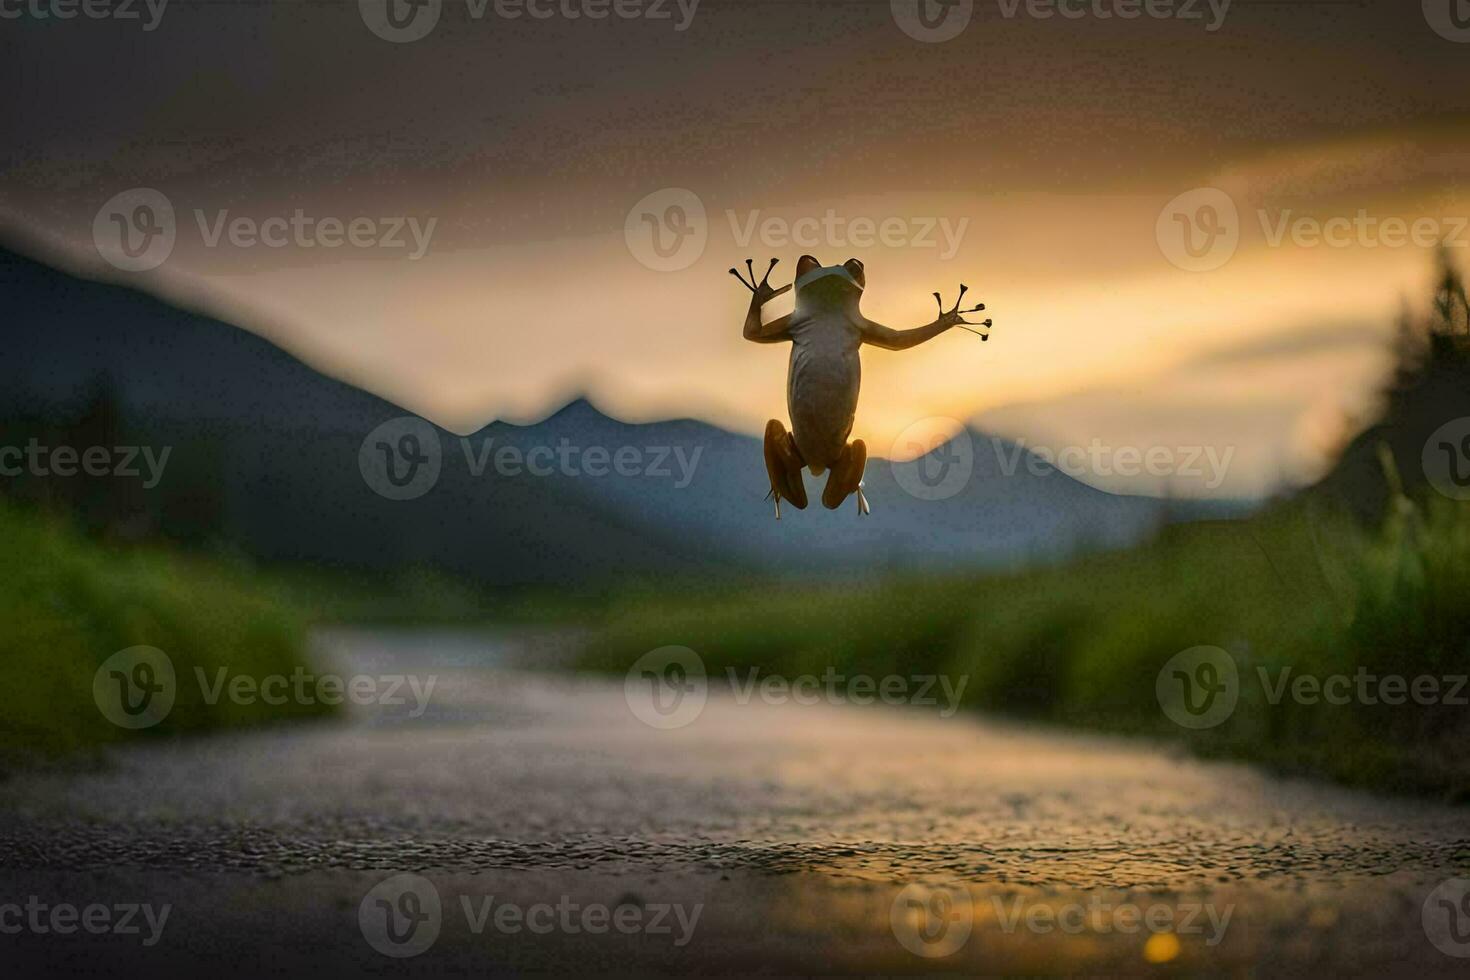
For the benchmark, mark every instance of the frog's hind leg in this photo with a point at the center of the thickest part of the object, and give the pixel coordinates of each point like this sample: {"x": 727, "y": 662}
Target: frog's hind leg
{"x": 783, "y": 466}
{"x": 847, "y": 477}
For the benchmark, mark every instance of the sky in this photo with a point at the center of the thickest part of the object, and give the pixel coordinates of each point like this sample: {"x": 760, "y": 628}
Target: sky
{"x": 1192, "y": 228}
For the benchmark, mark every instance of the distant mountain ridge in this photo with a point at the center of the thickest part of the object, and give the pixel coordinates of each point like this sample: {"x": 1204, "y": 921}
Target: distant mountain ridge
{"x": 272, "y": 447}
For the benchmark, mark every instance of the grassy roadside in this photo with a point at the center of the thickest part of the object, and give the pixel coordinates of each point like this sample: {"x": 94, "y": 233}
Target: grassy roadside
{"x": 1083, "y": 644}
{"x": 69, "y": 603}
{"x": 423, "y": 596}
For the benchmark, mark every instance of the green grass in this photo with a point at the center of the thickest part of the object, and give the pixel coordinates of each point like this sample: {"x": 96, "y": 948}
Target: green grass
{"x": 1082, "y": 644}
{"x": 68, "y": 603}
{"x": 422, "y": 596}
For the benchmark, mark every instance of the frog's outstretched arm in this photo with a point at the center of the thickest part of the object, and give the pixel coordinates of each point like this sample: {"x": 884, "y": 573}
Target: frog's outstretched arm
{"x": 891, "y": 339}
{"x": 761, "y": 292}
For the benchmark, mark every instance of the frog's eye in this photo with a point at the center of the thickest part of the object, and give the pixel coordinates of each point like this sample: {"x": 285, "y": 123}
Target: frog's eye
{"x": 806, "y": 264}
{"x": 855, "y": 269}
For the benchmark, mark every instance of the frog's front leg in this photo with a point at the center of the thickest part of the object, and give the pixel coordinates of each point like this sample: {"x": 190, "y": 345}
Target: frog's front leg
{"x": 887, "y": 338}
{"x": 761, "y": 293}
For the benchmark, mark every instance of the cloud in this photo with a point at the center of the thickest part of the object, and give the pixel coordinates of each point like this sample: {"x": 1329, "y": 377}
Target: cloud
{"x": 1300, "y": 342}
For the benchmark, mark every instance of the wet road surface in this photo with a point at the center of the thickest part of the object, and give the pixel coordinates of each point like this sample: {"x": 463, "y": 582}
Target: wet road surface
{"x": 542, "y": 827}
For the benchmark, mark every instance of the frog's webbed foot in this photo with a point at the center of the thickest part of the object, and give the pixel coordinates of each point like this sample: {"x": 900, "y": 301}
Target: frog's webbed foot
{"x": 783, "y": 467}
{"x": 762, "y": 289}
{"x": 846, "y": 477}
{"x": 955, "y": 317}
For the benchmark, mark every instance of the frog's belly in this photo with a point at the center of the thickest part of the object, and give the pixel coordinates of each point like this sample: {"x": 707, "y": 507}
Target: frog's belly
{"x": 821, "y": 397}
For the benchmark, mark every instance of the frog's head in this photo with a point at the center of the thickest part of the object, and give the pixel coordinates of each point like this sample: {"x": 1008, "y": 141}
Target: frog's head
{"x": 820, "y": 285}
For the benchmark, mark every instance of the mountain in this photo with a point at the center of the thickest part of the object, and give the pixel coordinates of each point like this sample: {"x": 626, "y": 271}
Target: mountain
{"x": 266, "y": 448}
{"x": 993, "y": 517}
{"x": 265, "y": 456}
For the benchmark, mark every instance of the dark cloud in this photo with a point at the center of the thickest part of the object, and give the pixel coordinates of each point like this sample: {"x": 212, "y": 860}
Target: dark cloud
{"x": 548, "y": 121}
